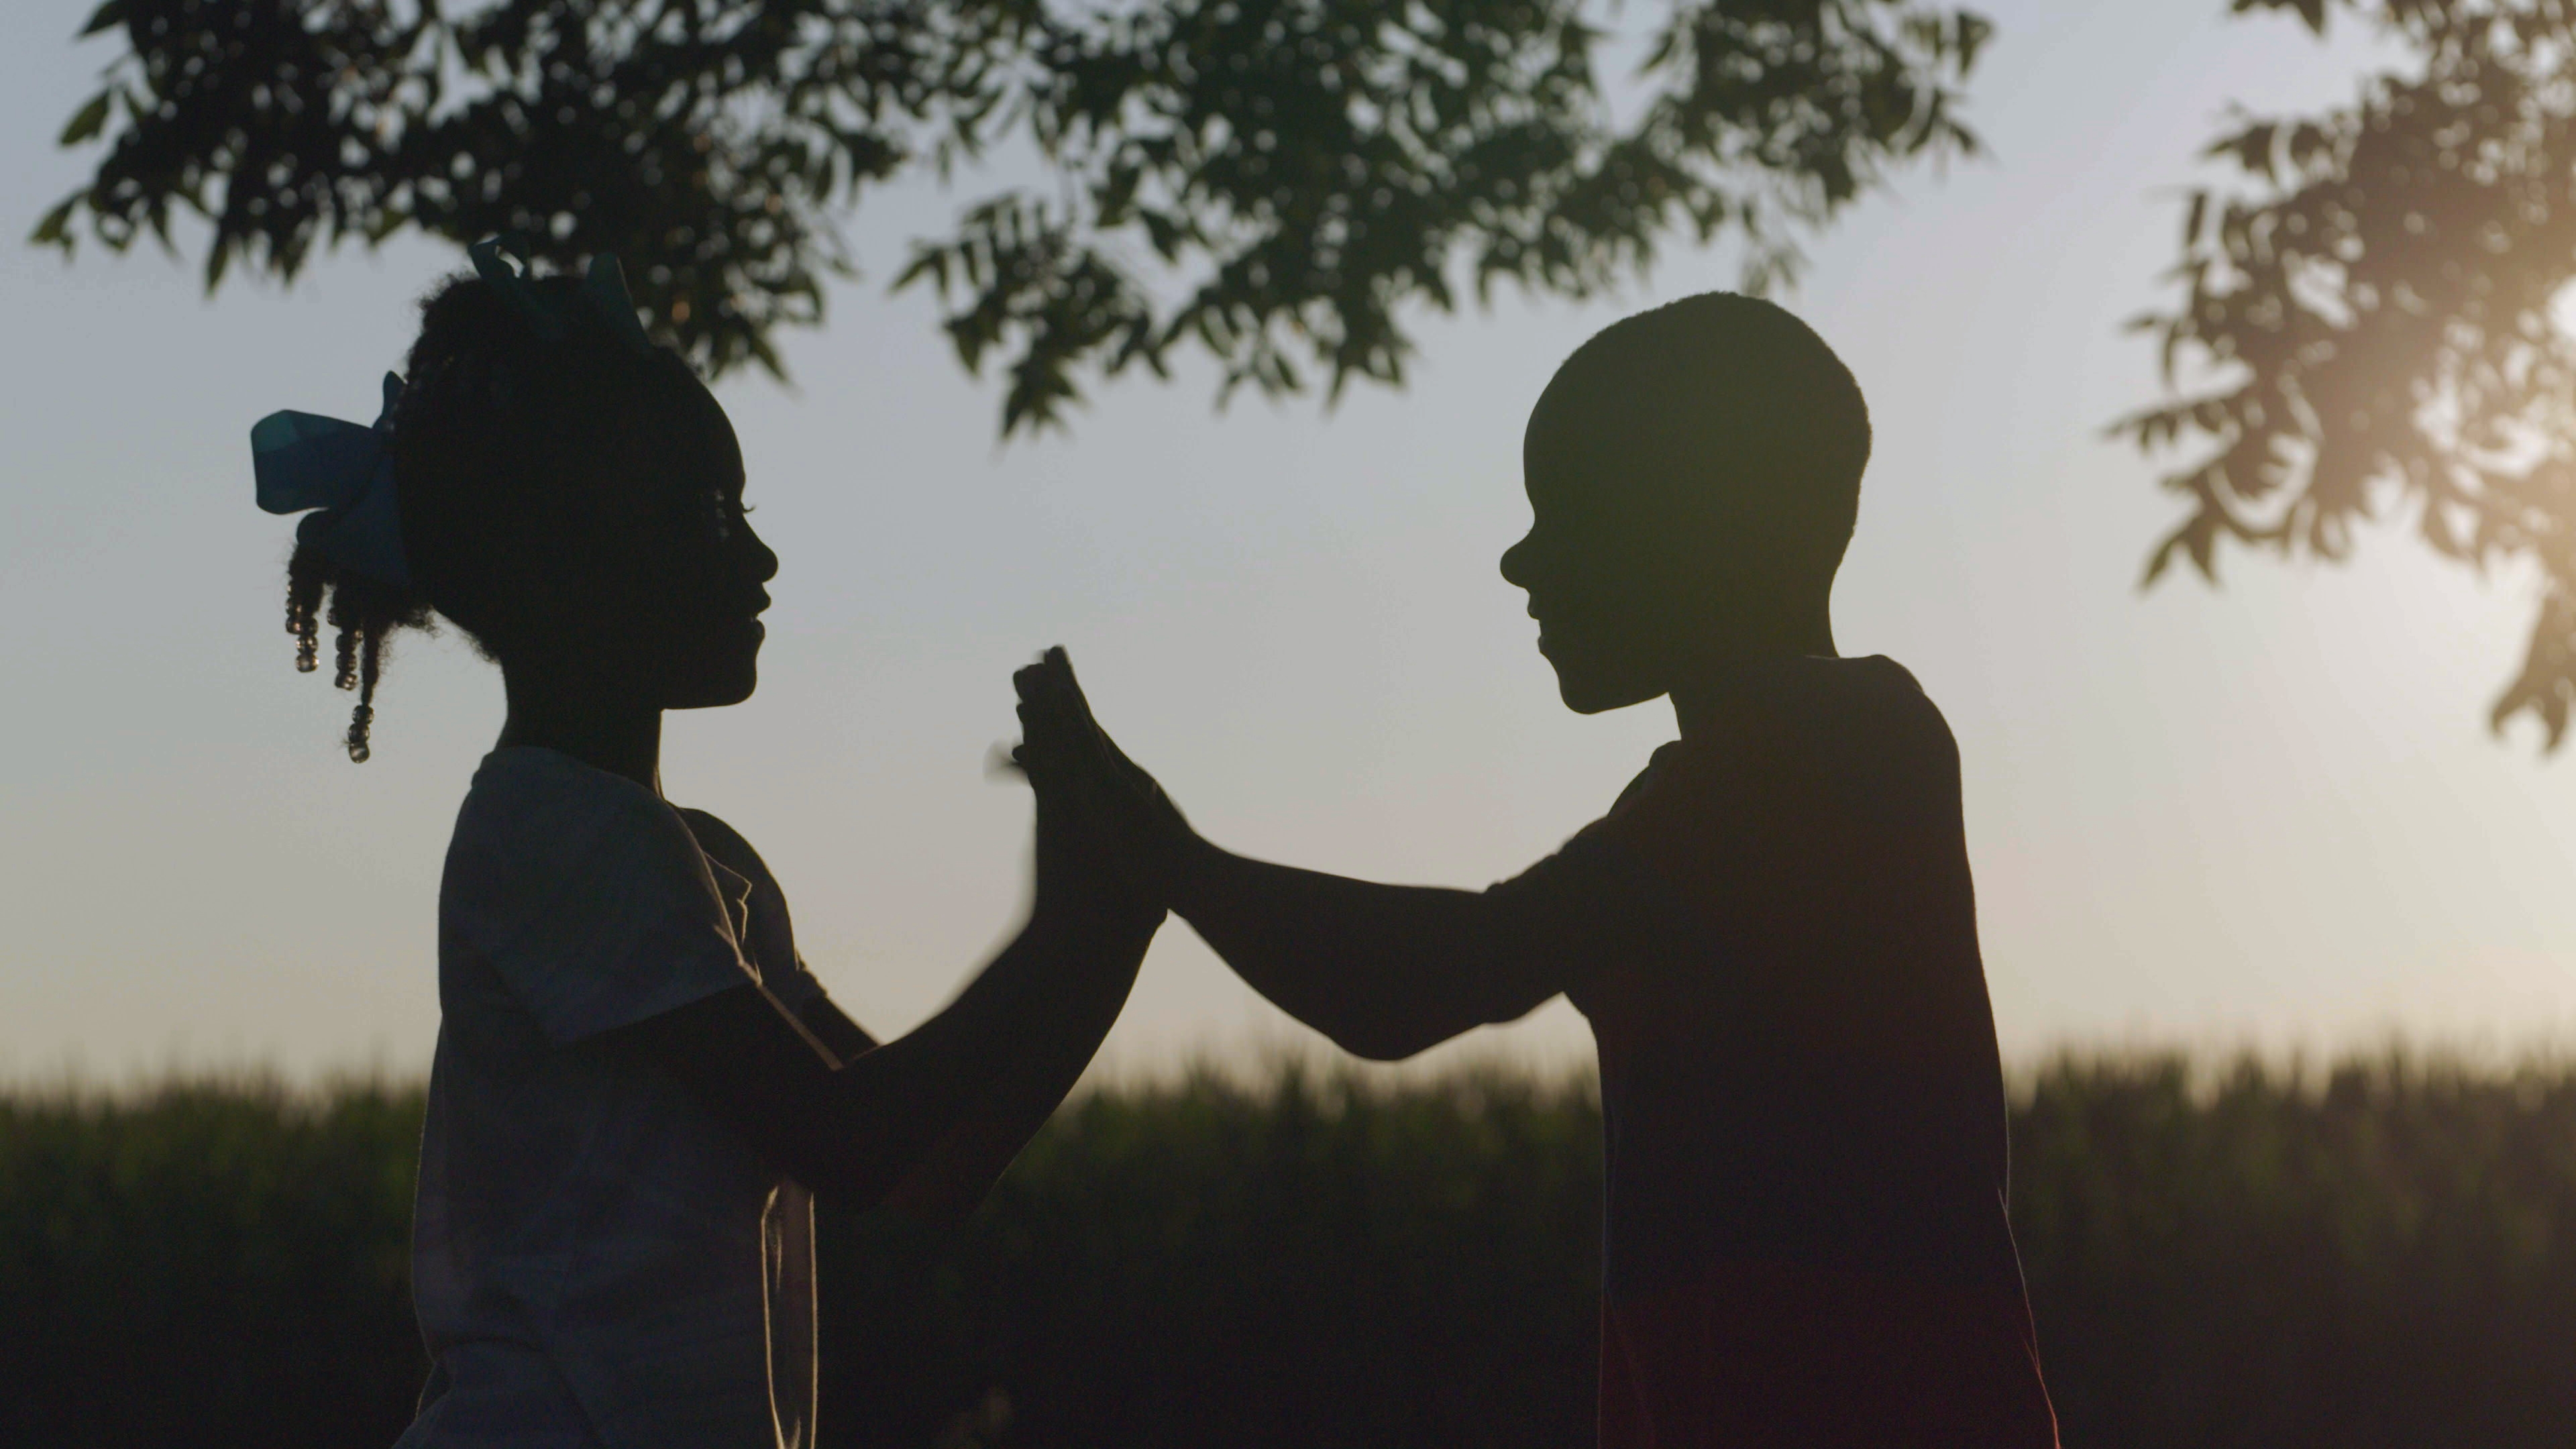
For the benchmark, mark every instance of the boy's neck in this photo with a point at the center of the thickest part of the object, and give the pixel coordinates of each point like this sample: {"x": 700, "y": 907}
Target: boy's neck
{"x": 1712, "y": 688}
{"x": 600, "y": 732}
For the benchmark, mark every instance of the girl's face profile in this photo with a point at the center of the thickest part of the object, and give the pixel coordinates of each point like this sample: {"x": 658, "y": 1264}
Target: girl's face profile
{"x": 680, "y": 570}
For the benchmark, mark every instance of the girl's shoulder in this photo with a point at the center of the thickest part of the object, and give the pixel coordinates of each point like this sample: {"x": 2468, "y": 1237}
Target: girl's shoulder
{"x": 585, "y": 894}
{"x": 726, "y": 847}
{"x": 529, "y": 800}
{"x": 540, "y": 829}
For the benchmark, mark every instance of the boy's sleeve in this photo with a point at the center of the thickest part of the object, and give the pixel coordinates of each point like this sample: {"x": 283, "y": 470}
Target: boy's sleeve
{"x": 595, "y": 912}
{"x": 1594, "y": 902}
{"x": 1819, "y": 852}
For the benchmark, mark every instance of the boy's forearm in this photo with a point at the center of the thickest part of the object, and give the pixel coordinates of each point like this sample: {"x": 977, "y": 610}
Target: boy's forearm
{"x": 1383, "y": 970}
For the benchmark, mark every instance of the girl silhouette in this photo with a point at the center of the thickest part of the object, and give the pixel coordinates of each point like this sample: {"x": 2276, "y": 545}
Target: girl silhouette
{"x": 637, "y": 1082}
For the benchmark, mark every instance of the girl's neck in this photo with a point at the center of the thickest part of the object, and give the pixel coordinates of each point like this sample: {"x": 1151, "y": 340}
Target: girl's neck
{"x": 593, "y": 726}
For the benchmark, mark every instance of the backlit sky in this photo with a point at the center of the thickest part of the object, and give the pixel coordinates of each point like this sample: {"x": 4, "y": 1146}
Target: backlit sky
{"x": 2269, "y": 814}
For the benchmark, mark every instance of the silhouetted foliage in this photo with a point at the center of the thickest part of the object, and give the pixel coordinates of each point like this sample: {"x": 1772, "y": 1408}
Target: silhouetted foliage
{"x": 2383, "y": 1255}
{"x": 1270, "y": 180}
{"x": 212, "y": 1263}
{"x": 2376, "y": 299}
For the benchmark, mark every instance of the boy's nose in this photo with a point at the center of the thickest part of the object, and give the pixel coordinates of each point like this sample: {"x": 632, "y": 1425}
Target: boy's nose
{"x": 1515, "y": 563}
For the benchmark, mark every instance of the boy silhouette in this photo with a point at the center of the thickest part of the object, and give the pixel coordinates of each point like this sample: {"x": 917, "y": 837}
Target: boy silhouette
{"x": 1772, "y": 932}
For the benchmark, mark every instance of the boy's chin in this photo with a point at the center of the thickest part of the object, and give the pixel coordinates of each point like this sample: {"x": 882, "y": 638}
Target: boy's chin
{"x": 1585, "y": 692}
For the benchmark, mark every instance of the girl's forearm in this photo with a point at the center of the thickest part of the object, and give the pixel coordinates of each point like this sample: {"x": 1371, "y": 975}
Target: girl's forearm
{"x": 1096, "y": 966}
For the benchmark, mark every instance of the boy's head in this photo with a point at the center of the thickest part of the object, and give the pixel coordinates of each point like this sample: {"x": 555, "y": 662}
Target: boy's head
{"x": 1693, "y": 473}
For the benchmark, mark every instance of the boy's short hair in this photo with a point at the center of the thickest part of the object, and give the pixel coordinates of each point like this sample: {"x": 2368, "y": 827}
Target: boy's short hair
{"x": 1741, "y": 410}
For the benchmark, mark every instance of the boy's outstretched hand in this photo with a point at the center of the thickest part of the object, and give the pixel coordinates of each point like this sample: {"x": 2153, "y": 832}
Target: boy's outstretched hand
{"x": 1385, "y": 971}
{"x": 1123, "y": 809}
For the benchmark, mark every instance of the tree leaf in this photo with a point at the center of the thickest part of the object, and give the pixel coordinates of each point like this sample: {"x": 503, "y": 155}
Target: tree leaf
{"x": 88, "y": 121}
{"x": 1298, "y": 174}
{"x": 56, "y": 228}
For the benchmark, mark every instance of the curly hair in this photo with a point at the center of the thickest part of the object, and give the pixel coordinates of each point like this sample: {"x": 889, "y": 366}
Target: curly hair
{"x": 502, "y": 440}
{"x": 364, "y": 612}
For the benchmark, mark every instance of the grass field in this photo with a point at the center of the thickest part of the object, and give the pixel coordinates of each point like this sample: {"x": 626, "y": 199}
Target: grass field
{"x": 2383, "y": 1254}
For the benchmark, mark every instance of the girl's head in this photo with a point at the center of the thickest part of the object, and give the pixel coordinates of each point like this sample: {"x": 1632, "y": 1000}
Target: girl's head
{"x": 569, "y": 498}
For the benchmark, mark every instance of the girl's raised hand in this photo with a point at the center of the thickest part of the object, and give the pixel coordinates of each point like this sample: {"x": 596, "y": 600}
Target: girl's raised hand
{"x": 1124, "y": 810}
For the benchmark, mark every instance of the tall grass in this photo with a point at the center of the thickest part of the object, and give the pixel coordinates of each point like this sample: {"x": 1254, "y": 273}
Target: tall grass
{"x": 2383, "y": 1254}
{"x": 209, "y": 1263}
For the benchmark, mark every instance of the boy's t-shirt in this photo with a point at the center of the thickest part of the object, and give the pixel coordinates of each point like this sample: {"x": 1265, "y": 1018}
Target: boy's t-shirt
{"x": 1804, "y": 1232}
{"x": 597, "y": 1260}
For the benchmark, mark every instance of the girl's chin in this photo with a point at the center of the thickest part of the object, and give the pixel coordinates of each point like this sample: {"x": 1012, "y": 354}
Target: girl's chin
{"x": 733, "y": 687}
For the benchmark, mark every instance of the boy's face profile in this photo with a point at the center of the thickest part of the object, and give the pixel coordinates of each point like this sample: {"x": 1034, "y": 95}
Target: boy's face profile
{"x": 1609, "y": 561}
{"x": 1692, "y": 476}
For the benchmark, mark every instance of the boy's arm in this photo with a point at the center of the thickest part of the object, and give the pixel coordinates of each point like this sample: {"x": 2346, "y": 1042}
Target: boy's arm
{"x": 1385, "y": 971}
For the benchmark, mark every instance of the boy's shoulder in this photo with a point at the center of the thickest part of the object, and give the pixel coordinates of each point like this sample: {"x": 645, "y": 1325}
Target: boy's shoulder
{"x": 1865, "y": 715}
{"x": 1811, "y": 754}
{"x": 1871, "y": 693}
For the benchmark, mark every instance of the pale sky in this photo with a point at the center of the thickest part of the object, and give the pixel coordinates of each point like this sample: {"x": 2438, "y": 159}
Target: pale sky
{"x": 2270, "y": 814}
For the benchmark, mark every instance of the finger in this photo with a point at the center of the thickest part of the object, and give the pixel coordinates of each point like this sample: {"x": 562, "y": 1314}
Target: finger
{"x": 1042, "y": 739}
{"x": 1071, "y": 686}
{"x": 1066, "y": 691}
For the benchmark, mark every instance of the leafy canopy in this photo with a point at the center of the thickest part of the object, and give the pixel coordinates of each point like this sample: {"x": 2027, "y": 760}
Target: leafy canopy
{"x": 1270, "y": 181}
{"x": 2380, "y": 296}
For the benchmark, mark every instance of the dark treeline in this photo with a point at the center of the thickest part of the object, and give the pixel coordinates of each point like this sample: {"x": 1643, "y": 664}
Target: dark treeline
{"x": 2383, "y": 1255}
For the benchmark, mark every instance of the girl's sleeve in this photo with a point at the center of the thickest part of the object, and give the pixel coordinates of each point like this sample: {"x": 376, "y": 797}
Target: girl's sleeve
{"x": 770, "y": 936}
{"x": 595, "y": 909}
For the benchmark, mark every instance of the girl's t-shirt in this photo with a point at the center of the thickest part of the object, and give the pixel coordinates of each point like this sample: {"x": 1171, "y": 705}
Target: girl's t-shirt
{"x": 596, "y": 1259}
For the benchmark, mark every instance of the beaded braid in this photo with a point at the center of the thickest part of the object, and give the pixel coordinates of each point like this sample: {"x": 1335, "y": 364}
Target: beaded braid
{"x": 305, "y": 576}
{"x": 370, "y": 660}
{"x": 363, "y": 614}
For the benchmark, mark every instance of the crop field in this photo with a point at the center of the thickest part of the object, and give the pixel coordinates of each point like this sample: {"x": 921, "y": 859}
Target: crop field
{"x": 2379, "y": 1254}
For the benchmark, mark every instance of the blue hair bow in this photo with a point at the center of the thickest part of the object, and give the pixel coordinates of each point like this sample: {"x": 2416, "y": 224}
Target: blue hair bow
{"x": 344, "y": 471}
{"x": 603, "y": 289}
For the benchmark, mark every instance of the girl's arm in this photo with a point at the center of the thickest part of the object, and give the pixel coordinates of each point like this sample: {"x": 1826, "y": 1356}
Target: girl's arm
{"x": 840, "y": 1036}
{"x": 928, "y": 1122}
